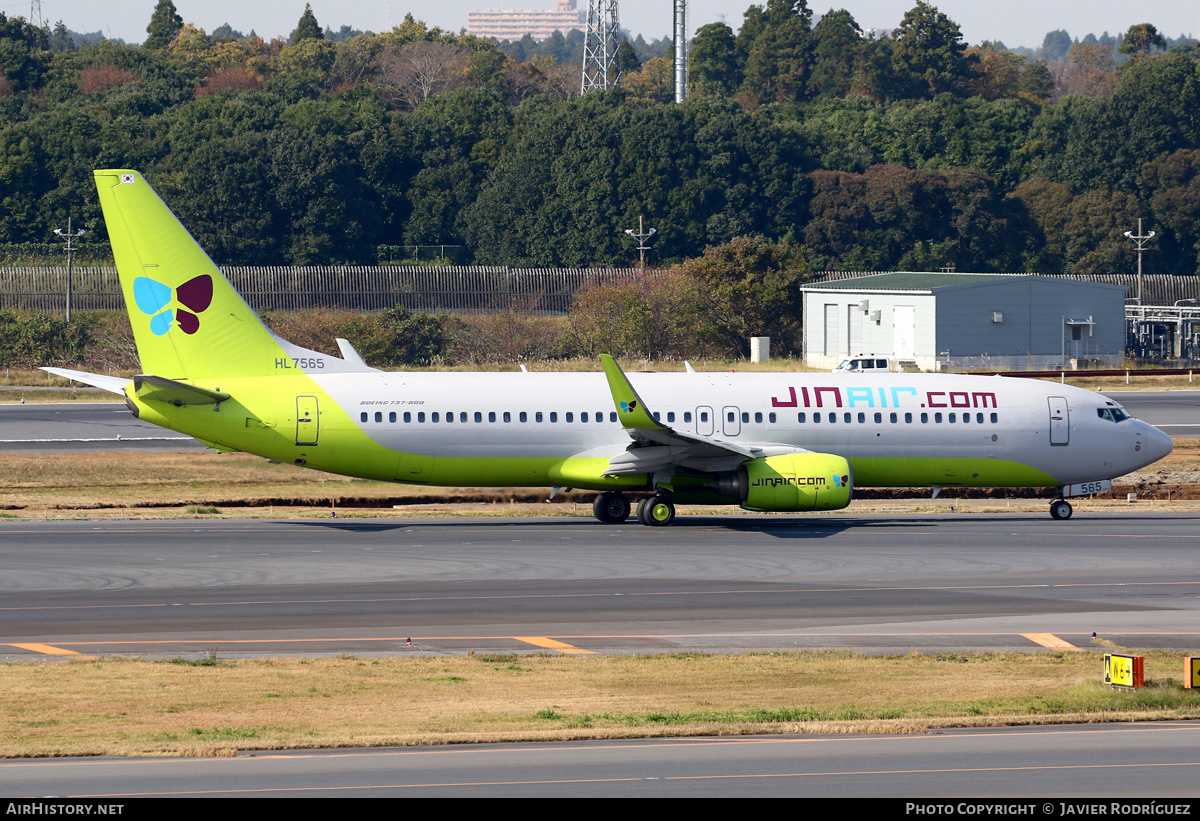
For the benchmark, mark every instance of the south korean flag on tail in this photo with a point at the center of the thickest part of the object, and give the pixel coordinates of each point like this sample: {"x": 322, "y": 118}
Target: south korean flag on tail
{"x": 128, "y": 178}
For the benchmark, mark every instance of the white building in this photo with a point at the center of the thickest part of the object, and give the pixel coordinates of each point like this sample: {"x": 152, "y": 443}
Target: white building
{"x": 513, "y": 24}
{"x": 965, "y": 321}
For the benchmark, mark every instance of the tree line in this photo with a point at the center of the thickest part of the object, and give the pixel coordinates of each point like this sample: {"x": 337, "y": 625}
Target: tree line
{"x": 850, "y": 150}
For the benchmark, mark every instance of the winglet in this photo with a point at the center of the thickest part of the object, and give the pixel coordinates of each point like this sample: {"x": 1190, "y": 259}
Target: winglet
{"x": 631, "y": 410}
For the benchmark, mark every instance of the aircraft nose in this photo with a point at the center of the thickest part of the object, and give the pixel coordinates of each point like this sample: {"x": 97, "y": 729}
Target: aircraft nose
{"x": 1158, "y": 444}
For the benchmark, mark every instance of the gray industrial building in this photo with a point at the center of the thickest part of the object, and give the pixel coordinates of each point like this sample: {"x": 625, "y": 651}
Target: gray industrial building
{"x": 935, "y": 321}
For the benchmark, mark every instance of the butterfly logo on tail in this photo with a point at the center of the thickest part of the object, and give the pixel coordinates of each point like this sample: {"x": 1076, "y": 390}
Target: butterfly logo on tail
{"x": 155, "y": 299}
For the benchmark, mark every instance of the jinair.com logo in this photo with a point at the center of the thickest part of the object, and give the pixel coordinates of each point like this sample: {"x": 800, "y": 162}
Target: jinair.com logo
{"x": 156, "y": 300}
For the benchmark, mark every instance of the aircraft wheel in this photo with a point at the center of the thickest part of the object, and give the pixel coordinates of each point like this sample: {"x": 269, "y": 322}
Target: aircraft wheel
{"x": 659, "y": 511}
{"x": 1060, "y": 509}
{"x": 611, "y": 508}
{"x": 641, "y": 511}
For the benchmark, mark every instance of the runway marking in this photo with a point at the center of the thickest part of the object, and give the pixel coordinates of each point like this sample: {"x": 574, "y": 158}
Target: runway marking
{"x": 50, "y": 650}
{"x": 619, "y": 780}
{"x": 1051, "y": 641}
{"x": 608, "y": 594}
{"x": 554, "y": 645}
{"x": 551, "y": 644}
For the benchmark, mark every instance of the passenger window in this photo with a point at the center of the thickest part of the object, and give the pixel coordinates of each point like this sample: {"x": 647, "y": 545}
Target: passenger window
{"x": 524, "y": 416}
{"x": 995, "y": 418}
{"x": 491, "y": 416}
{"x": 731, "y": 416}
{"x": 687, "y": 416}
{"x": 407, "y": 417}
{"x": 816, "y": 417}
{"x": 979, "y": 418}
{"x": 363, "y": 417}
{"x": 924, "y": 418}
{"x": 378, "y": 416}
{"x": 937, "y": 418}
{"x": 507, "y": 416}
{"x": 553, "y": 416}
{"x": 537, "y": 417}
{"x": 879, "y": 417}
{"x": 771, "y": 418}
{"x": 908, "y": 418}
{"x": 704, "y": 416}
{"x": 846, "y": 418}
{"x": 656, "y": 419}
{"x": 670, "y": 416}
{"x": 966, "y": 418}
{"x": 952, "y": 418}
{"x": 421, "y": 416}
{"x": 800, "y": 418}
{"x": 433, "y": 417}
{"x": 392, "y": 416}
{"x": 462, "y": 417}
{"x": 894, "y": 418}
{"x": 479, "y": 417}
{"x": 612, "y": 416}
{"x": 583, "y": 417}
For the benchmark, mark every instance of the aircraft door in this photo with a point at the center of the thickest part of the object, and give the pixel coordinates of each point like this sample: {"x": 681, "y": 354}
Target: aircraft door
{"x": 1060, "y": 421}
{"x": 307, "y": 424}
{"x": 731, "y": 421}
{"x": 704, "y": 421}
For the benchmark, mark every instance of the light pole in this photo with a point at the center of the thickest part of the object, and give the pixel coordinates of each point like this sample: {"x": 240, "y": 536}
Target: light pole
{"x": 1140, "y": 241}
{"x": 70, "y": 238}
{"x": 641, "y": 236}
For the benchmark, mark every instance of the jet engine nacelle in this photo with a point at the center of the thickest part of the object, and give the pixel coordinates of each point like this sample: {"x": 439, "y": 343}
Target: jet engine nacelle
{"x": 794, "y": 481}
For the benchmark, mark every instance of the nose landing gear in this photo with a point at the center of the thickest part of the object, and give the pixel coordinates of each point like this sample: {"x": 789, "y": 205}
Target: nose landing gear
{"x": 1060, "y": 509}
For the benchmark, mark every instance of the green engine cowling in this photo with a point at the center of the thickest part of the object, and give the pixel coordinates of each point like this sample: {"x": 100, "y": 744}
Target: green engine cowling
{"x": 792, "y": 482}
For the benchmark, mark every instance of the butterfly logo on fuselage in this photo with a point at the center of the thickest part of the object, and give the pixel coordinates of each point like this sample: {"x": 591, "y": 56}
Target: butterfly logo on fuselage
{"x": 154, "y": 299}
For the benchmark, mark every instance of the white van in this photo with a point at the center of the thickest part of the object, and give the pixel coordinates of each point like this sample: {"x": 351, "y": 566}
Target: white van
{"x": 867, "y": 363}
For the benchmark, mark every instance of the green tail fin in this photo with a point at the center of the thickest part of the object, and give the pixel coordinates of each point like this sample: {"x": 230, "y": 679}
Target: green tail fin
{"x": 188, "y": 321}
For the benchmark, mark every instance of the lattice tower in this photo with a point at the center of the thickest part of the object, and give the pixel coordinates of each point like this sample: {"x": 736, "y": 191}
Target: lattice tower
{"x": 600, "y": 46}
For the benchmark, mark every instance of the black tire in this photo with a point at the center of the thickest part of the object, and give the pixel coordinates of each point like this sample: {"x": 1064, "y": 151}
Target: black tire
{"x": 660, "y": 512}
{"x": 611, "y": 508}
{"x": 642, "y": 512}
{"x": 1061, "y": 509}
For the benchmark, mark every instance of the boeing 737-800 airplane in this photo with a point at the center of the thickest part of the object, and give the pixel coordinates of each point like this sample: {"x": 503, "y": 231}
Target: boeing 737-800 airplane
{"x": 769, "y": 442}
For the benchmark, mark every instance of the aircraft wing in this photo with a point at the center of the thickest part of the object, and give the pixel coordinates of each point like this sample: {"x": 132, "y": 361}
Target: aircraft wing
{"x": 661, "y": 448}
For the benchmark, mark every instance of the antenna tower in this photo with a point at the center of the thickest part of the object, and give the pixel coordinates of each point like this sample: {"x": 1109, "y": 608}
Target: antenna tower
{"x": 600, "y": 46}
{"x": 35, "y": 14}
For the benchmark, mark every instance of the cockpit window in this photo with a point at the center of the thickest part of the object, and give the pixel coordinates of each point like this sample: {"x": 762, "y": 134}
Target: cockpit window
{"x": 1112, "y": 414}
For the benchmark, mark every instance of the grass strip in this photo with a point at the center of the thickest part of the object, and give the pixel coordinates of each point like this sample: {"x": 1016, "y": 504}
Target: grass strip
{"x": 210, "y": 706}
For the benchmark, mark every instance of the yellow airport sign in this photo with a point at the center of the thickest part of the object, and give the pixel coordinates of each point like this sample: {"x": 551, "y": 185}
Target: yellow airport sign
{"x": 1123, "y": 671}
{"x": 1191, "y": 673}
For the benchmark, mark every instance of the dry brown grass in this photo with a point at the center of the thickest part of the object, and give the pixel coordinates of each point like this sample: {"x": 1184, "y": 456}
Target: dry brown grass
{"x": 136, "y": 707}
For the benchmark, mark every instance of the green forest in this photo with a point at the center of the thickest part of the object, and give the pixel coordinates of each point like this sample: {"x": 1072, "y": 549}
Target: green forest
{"x": 835, "y": 149}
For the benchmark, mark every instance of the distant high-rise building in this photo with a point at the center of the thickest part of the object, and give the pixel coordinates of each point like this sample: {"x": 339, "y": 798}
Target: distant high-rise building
{"x": 505, "y": 24}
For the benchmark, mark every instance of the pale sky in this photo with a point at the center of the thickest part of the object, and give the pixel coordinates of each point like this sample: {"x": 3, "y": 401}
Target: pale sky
{"x": 1014, "y": 22}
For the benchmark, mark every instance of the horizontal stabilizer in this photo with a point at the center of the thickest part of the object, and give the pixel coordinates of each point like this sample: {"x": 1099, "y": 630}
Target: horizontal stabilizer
{"x": 161, "y": 389}
{"x": 112, "y": 384}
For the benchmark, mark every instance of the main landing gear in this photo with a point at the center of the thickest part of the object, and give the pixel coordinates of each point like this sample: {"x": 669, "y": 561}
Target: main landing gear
{"x": 655, "y": 511}
{"x": 1060, "y": 509}
{"x": 611, "y": 508}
